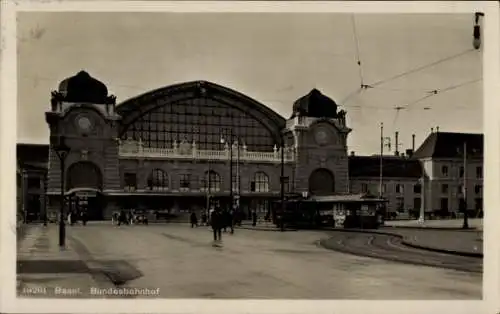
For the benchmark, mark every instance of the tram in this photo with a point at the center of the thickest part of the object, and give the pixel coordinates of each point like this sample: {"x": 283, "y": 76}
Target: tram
{"x": 340, "y": 211}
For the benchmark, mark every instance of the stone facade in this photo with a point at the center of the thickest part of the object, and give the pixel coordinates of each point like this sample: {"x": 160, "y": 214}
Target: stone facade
{"x": 96, "y": 136}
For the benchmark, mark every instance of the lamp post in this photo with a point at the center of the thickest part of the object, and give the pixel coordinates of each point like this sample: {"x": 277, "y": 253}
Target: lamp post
{"x": 282, "y": 184}
{"x": 229, "y": 134}
{"x": 45, "y": 199}
{"x": 466, "y": 214}
{"x": 421, "y": 218}
{"x": 62, "y": 151}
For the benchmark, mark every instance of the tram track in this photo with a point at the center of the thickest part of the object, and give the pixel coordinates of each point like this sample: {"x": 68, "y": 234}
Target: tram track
{"x": 392, "y": 248}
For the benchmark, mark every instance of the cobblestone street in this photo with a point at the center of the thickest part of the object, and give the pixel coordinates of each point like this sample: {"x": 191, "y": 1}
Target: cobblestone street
{"x": 182, "y": 263}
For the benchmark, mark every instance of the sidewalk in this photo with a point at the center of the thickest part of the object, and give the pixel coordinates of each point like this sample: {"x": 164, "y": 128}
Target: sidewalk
{"x": 474, "y": 223}
{"x": 464, "y": 243}
{"x": 45, "y": 271}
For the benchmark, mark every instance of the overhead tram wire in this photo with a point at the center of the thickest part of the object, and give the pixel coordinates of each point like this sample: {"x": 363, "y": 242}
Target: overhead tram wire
{"x": 358, "y": 62}
{"x": 418, "y": 69}
{"x": 429, "y": 95}
{"x": 358, "y": 56}
{"x": 441, "y": 91}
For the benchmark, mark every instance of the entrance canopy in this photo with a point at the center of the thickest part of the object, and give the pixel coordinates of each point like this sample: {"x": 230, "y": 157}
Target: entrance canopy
{"x": 346, "y": 198}
{"x": 88, "y": 192}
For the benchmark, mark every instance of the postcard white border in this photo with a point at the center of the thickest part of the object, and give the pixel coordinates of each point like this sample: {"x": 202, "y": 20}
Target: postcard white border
{"x": 8, "y": 117}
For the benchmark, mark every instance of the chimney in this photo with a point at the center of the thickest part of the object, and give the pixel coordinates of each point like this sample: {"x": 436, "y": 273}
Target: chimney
{"x": 432, "y": 130}
{"x": 409, "y": 153}
{"x": 352, "y": 153}
{"x": 397, "y": 144}
{"x": 437, "y": 129}
{"x": 413, "y": 142}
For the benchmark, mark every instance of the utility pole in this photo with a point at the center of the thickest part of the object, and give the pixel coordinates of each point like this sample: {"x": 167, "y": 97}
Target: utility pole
{"x": 208, "y": 188}
{"x": 238, "y": 177}
{"x": 282, "y": 185}
{"x": 466, "y": 214}
{"x": 381, "y": 159}
{"x": 231, "y": 167}
{"x": 381, "y": 170}
{"x": 421, "y": 218}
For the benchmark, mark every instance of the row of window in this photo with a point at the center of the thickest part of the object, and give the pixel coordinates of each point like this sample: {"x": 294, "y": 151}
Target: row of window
{"x": 478, "y": 189}
{"x": 158, "y": 180}
{"x": 399, "y": 188}
{"x": 445, "y": 172}
{"x": 417, "y": 189}
{"x": 478, "y": 203}
{"x": 417, "y": 203}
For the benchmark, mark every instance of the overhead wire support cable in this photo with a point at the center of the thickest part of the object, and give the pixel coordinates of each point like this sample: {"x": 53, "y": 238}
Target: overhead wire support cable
{"x": 358, "y": 62}
{"x": 440, "y": 91}
{"x": 396, "y": 116}
{"x": 420, "y": 68}
{"x": 358, "y": 57}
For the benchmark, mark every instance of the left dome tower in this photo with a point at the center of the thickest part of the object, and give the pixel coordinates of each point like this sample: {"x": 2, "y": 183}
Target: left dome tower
{"x": 84, "y": 119}
{"x": 84, "y": 88}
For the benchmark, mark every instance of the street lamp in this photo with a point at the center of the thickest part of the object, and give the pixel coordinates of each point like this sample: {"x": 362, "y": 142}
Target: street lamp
{"x": 62, "y": 151}
{"x": 464, "y": 192}
{"x": 45, "y": 181}
{"x": 229, "y": 134}
{"x": 476, "y": 34}
{"x": 282, "y": 183}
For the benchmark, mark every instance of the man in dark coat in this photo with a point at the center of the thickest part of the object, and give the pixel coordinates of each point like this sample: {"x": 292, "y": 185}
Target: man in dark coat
{"x": 122, "y": 218}
{"x": 194, "y": 220}
{"x": 231, "y": 218}
{"x": 84, "y": 217}
{"x": 217, "y": 220}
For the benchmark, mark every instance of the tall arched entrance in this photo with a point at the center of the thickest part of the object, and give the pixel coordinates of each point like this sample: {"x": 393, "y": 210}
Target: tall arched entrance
{"x": 321, "y": 182}
{"x": 84, "y": 190}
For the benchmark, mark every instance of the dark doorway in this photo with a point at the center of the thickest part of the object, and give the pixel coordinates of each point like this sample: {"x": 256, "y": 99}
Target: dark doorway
{"x": 321, "y": 182}
{"x": 84, "y": 174}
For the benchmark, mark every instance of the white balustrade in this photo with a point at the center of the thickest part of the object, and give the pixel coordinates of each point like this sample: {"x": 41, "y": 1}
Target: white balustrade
{"x": 136, "y": 149}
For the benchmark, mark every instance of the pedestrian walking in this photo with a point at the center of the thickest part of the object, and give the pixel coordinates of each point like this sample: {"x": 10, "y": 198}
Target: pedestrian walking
{"x": 204, "y": 218}
{"x": 194, "y": 220}
{"x": 254, "y": 218}
{"x": 225, "y": 219}
{"x": 84, "y": 217}
{"x": 216, "y": 220}
{"x": 231, "y": 218}
{"x": 123, "y": 218}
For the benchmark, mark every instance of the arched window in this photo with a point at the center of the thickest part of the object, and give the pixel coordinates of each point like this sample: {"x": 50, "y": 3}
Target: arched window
{"x": 211, "y": 179}
{"x": 260, "y": 182}
{"x": 322, "y": 182}
{"x": 83, "y": 174}
{"x": 158, "y": 180}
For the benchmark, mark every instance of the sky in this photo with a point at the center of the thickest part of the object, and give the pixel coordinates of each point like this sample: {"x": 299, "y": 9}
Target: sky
{"x": 273, "y": 58}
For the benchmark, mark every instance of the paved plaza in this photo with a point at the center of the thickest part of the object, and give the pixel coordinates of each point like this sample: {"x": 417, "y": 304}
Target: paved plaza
{"x": 176, "y": 261}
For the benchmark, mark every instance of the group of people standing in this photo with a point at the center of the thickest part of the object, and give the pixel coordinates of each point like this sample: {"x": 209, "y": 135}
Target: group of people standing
{"x": 75, "y": 215}
{"x": 128, "y": 218}
{"x": 218, "y": 219}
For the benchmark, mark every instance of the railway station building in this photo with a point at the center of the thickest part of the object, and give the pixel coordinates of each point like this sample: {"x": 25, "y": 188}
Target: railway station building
{"x": 185, "y": 146}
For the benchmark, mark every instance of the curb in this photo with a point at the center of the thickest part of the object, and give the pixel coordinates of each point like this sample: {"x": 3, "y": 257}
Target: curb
{"x": 413, "y": 245}
{"x": 460, "y": 253}
{"x": 434, "y": 228}
{"x": 266, "y": 229}
{"x": 324, "y": 245}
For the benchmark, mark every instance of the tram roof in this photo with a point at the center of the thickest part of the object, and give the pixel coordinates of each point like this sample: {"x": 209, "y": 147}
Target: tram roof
{"x": 341, "y": 198}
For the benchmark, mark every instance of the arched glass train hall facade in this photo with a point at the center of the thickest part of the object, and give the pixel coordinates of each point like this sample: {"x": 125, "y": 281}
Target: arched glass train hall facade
{"x": 182, "y": 147}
